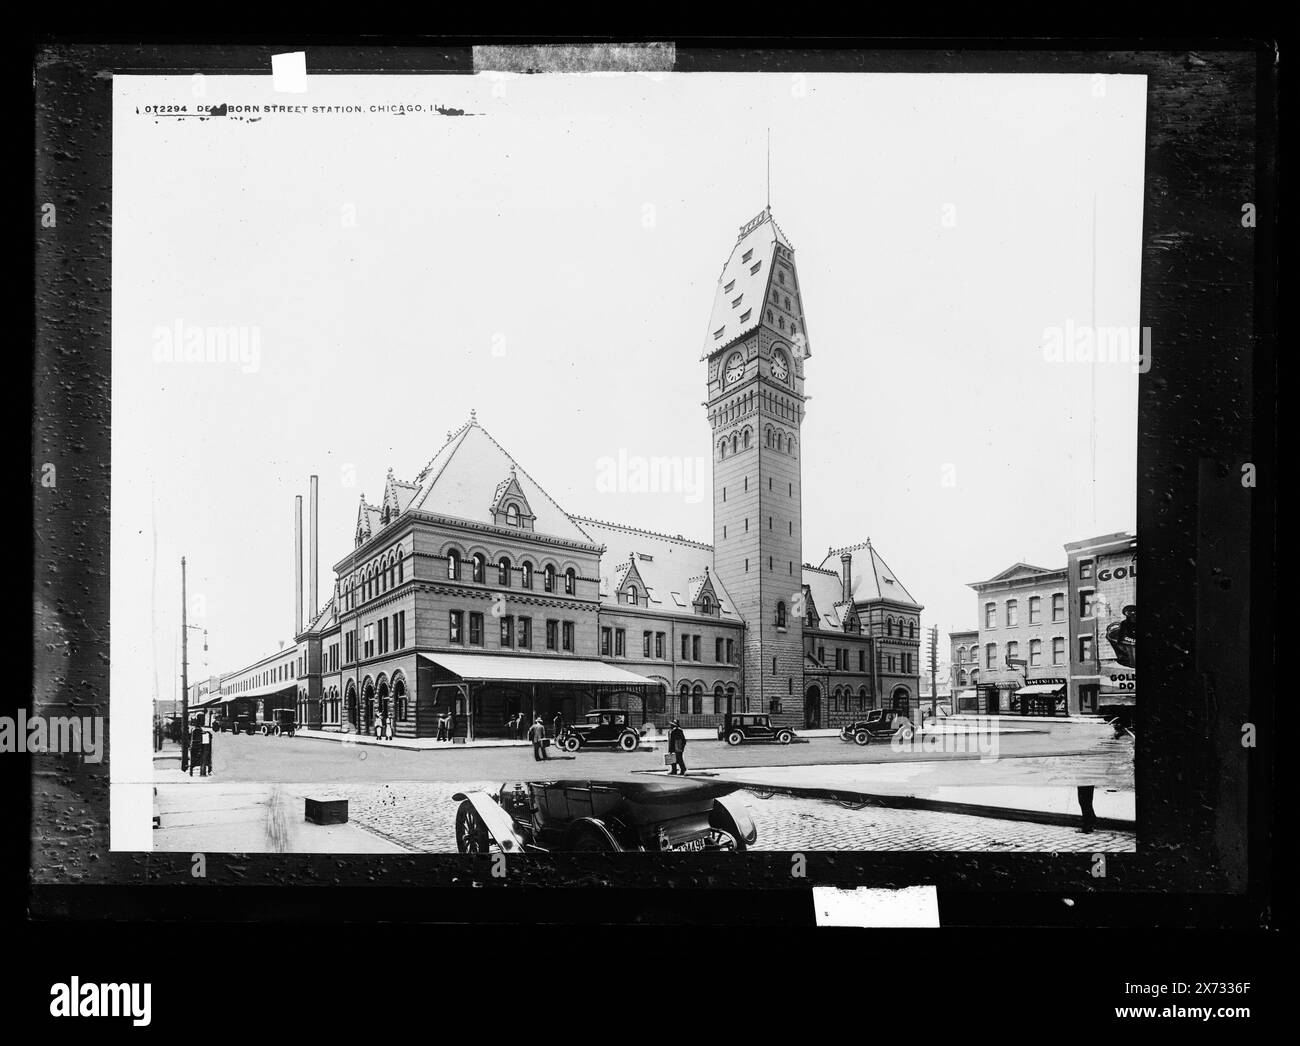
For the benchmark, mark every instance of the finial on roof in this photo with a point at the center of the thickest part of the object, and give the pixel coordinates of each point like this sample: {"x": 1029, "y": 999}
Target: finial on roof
{"x": 473, "y": 416}
{"x": 390, "y": 470}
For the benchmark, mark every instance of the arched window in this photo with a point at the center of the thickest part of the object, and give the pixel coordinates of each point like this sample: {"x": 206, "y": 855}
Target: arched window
{"x": 719, "y": 701}
{"x": 503, "y": 572}
{"x": 974, "y": 676}
{"x": 722, "y": 449}
{"x": 392, "y": 573}
{"x": 453, "y": 565}
{"x": 745, "y": 439}
{"x": 911, "y": 630}
{"x": 889, "y": 626}
{"x": 961, "y": 653}
{"x": 706, "y": 605}
{"x": 684, "y": 700}
{"x": 526, "y": 575}
{"x": 789, "y": 444}
{"x": 479, "y": 567}
{"x": 512, "y": 515}
{"x": 780, "y": 615}
{"x": 697, "y": 700}
{"x": 735, "y": 442}
{"x": 570, "y": 582}
{"x": 549, "y": 578}
{"x": 632, "y": 595}
{"x": 862, "y": 697}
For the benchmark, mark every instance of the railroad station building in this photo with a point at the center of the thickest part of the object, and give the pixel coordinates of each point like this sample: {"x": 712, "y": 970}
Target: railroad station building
{"x": 468, "y": 591}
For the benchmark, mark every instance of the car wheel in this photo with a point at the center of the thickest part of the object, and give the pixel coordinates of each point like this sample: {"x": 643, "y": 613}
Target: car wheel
{"x": 265, "y": 731}
{"x": 627, "y": 742}
{"x": 471, "y": 833}
{"x": 572, "y": 743}
{"x": 590, "y": 839}
{"x": 734, "y": 738}
{"x": 784, "y": 737}
{"x": 275, "y": 731}
{"x": 906, "y": 733}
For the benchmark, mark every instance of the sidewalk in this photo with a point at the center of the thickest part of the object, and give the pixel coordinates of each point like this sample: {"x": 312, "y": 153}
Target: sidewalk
{"x": 1017, "y": 789}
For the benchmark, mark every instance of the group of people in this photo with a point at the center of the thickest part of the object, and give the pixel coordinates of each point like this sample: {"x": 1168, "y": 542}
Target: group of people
{"x": 446, "y": 726}
{"x": 517, "y": 725}
{"x": 200, "y": 748}
{"x": 383, "y": 726}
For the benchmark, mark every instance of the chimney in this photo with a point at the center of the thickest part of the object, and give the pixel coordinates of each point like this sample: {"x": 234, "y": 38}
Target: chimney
{"x": 297, "y": 565}
{"x": 313, "y": 517}
{"x": 846, "y": 576}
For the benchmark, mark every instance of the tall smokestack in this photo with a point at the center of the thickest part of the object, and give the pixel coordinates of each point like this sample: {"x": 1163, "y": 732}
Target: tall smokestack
{"x": 297, "y": 565}
{"x": 313, "y": 518}
{"x": 846, "y": 576}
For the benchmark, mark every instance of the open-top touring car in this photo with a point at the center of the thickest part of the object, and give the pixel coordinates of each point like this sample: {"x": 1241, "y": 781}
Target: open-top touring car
{"x": 657, "y": 815}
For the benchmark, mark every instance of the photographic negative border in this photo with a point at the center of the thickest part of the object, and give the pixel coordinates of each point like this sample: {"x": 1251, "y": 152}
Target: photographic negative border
{"x": 1207, "y": 409}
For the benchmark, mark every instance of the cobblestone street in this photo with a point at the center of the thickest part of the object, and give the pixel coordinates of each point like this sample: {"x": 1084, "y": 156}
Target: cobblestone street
{"x": 421, "y": 817}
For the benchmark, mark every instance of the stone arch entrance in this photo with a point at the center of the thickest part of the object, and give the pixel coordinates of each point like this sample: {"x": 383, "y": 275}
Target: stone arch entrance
{"x": 350, "y": 706}
{"x": 900, "y": 700}
{"x": 812, "y": 708}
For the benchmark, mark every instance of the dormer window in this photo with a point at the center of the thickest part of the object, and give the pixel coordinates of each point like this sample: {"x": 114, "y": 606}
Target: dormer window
{"x": 706, "y": 605}
{"x": 718, "y": 333}
{"x": 747, "y": 255}
{"x": 631, "y": 595}
{"x": 744, "y": 316}
{"x": 728, "y": 288}
{"x": 755, "y": 267}
{"x": 512, "y": 515}
{"x": 737, "y": 301}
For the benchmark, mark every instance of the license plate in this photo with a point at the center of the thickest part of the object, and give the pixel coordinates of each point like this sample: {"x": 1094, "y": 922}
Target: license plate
{"x": 691, "y": 844}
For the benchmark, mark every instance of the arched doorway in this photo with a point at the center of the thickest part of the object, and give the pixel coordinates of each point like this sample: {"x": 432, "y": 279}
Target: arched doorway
{"x": 367, "y": 707}
{"x": 383, "y": 705}
{"x": 400, "y": 711}
{"x": 350, "y": 706}
{"x": 900, "y": 700}
{"x": 812, "y": 708}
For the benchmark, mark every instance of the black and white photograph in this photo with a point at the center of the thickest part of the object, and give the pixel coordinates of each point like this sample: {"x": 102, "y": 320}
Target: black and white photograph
{"x": 707, "y": 465}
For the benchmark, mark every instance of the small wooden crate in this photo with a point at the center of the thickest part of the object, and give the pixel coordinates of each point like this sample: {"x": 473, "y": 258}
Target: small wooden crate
{"x": 327, "y": 809}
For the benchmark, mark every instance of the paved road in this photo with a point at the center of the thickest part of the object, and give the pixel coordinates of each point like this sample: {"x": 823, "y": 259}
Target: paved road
{"x": 297, "y": 759}
{"x": 421, "y": 816}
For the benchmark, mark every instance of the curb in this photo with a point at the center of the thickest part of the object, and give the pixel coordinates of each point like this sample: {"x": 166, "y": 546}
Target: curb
{"x": 911, "y": 802}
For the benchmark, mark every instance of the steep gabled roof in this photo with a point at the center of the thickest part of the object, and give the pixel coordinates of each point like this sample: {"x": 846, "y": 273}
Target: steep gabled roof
{"x": 464, "y": 478}
{"x": 872, "y": 578}
{"x": 741, "y": 300}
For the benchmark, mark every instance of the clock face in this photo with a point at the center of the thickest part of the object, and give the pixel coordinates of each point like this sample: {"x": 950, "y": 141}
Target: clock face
{"x": 735, "y": 369}
{"x": 780, "y": 367}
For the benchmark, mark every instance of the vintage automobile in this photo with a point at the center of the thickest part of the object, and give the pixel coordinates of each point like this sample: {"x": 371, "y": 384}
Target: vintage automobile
{"x": 657, "y": 815}
{"x": 740, "y": 727}
{"x": 879, "y": 722}
{"x": 601, "y": 728}
{"x": 280, "y": 721}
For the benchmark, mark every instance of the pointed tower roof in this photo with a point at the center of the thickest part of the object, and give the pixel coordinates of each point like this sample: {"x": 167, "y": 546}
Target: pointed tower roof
{"x": 872, "y": 578}
{"x": 743, "y": 296}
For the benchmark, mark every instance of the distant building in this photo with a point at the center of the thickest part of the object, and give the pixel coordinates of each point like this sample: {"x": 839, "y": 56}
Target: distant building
{"x": 1103, "y": 618}
{"x": 964, "y": 669}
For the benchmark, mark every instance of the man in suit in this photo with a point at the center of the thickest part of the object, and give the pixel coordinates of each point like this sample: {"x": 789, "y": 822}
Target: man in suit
{"x": 442, "y": 726}
{"x": 677, "y": 746}
{"x": 537, "y": 735}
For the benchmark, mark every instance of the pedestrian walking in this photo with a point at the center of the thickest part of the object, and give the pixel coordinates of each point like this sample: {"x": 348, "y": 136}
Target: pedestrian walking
{"x": 557, "y": 725}
{"x": 537, "y": 735}
{"x": 207, "y": 752}
{"x": 442, "y": 726}
{"x": 677, "y": 746}
{"x": 522, "y": 726}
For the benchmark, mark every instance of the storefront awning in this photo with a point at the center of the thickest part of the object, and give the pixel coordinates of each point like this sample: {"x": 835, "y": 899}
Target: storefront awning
{"x": 207, "y": 702}
{"x": 514, "y": 669}
{"x": 1117, "y": 697}
{"x": 1041, "y": 688}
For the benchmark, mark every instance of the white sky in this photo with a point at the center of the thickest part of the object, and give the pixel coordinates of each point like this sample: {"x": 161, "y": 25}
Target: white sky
{"x": 552, "y": 263}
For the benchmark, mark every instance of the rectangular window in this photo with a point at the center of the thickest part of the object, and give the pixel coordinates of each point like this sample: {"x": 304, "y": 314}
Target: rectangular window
{"x": 1085, "y": 603}
{"x": 475, "y": 629}
{"x": 1035, "y": 609}
{"x": 1035, "y": 653}
{"x": 507, "y": 631}
{"x": 568, "y": 635}
{"x": 686, "y": 648}
{"x": 1058, "y": 607}
{"x": 1058, "y": 650}
{"x": 717, "y": 649}
{"x": 606, "y": 635}
{"x": 401, "y": 630}
{"x": 525, "y": 633}
{"x": 659, "y": 645}
{"x": 731, "y": 651}
{"x": 991, "y": 656}
{"x": 1085, "y": 569}
{"x": 862, "y": 660}
{"x": 645, "y": 644}
{"x": 1013, "y": 613}
{"x": 990, "y": 615}
{"x": 552, "y": 635}
{"x": 620, "y": 642}
{"x": 1085, "y": 648}
{"x": 695, "y": 648}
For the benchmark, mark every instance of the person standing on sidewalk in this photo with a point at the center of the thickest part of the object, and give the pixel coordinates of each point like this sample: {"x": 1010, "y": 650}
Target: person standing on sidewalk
{"x": 196, "y": 746}
{"x": 537, "y": 735}
{"x": 207, "y": 752}
{"x": 677, "y": 746}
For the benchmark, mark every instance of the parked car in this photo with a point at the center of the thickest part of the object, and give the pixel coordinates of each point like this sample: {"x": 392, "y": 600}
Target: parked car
{"x": 879, "y": 722}
{"x": 601, "y": 728}
{"x": 222, "y": 723}
{"x": 658, "y": 815}
{"x": 741, "y": 727}
{"x": 281, "y": 721}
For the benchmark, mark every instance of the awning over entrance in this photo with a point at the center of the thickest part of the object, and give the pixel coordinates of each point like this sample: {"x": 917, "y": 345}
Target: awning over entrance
{"x": 1041, "y": 688}
{"x": 266, "y": 691}
{"x": 514, "y": 669}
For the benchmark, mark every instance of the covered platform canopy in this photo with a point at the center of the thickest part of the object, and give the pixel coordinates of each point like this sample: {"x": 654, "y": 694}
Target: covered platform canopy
{"x": 260, "y": 692}
{"x": 486, "y": 691}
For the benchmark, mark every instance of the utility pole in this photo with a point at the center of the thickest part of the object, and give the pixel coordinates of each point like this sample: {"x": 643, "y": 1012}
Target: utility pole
{"x": 934, "y": 671}
{"x": 185, "y": 683}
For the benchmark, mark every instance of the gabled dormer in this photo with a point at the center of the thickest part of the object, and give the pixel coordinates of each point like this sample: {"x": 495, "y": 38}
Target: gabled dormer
{"x": 397, "y": 496}
{"x": 811, "y": 617}
{"x": 630, "y": 588}
{"x": 509, "y": 506}
{"x": 704, "y": 598}
{"x": 367, "y": 518}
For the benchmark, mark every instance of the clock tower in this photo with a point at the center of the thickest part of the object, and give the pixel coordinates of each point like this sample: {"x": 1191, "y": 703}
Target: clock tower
{"x": 757, "y": 349}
